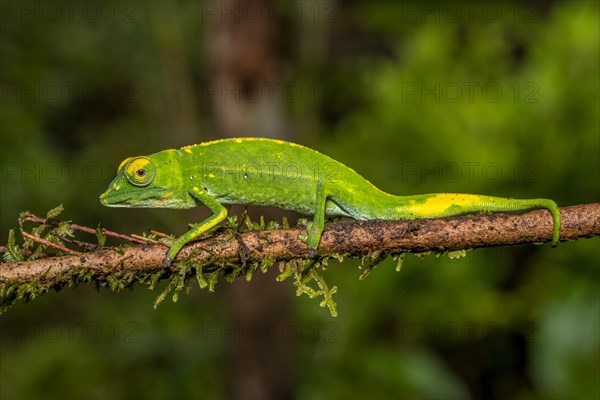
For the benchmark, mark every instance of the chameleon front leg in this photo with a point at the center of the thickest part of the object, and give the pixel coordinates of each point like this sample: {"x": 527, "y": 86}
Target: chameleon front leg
{"x": 219, "y": 213}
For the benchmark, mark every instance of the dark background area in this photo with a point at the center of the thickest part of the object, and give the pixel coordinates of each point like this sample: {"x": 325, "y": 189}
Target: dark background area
{"x": 497, "y": 98}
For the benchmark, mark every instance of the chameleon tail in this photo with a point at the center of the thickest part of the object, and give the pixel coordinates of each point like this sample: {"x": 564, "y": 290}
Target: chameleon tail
{"x": 448, "y": 204}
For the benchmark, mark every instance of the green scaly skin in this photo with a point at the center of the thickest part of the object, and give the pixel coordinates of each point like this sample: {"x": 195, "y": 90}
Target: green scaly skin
{"x": 285, "y": 175}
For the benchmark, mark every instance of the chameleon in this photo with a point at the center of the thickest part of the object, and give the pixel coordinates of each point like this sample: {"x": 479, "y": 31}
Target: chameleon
{"x": 269, "y": 172}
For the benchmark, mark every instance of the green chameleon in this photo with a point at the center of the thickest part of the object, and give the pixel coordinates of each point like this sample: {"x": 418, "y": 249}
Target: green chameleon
{"x": 280, "y": 174}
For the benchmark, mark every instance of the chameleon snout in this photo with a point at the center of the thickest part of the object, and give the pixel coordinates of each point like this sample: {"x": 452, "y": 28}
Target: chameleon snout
{"x": 110, "y": 198}
{"x": 104, "y": 200}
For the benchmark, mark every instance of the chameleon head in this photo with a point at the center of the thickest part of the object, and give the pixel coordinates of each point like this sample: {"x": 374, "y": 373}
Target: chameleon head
{"x": 140, "y": 182}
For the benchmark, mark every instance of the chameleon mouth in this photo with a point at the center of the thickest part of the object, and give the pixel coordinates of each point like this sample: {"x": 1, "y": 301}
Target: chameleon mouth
{"x": 112, "y": 199}
{"x": 152, "y": 199}
{"x": 129, "y": 203}
{"x": 108, "y": 202}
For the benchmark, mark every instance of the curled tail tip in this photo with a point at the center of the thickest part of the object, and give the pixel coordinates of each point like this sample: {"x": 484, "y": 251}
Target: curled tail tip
{"x": 556, "y": 236}
{"x": 555, "y": 211}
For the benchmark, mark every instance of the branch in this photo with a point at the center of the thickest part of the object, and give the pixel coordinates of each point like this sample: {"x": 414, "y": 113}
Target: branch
{"x": 353, "y": 238}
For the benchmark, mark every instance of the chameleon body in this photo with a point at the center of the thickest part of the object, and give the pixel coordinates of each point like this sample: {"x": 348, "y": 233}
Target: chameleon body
{"x": 280, "y": 174}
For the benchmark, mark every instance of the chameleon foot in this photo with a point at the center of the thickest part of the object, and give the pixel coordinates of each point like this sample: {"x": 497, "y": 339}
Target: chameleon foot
{"x": 312, "y": 253}
{"x": 167, "y": 262}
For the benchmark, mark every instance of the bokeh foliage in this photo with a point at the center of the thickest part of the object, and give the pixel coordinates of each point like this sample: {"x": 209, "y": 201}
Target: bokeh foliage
{"x": 499, "y": 323}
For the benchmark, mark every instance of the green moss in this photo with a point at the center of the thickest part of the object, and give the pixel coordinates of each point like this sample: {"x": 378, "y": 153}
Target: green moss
{"x": 372, "y": 260}
{"x": 399, "y": 258}
{"x": 100, "y": 236}
{"x": 307, "y": 275}
{"x": 13, "y": 251}
{"x": 456, "y": 254}
{"x": 306, "y": 271}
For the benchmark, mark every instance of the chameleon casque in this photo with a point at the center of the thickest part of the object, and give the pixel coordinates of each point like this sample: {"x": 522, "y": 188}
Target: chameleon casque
{"x": 253, "y": 171}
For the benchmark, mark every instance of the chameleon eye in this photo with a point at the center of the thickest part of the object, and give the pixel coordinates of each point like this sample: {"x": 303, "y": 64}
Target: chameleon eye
{"x": 140, "y": 171}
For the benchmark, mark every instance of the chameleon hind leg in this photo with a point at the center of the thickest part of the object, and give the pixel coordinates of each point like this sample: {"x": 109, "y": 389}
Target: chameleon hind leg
{"x": 219, "y": 213}
{"x": 328, "y": 199}
{"x": 315, "y": 228}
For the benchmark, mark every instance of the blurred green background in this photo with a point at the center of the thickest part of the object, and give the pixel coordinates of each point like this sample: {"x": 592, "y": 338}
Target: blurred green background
{"x": 498, "y": 98}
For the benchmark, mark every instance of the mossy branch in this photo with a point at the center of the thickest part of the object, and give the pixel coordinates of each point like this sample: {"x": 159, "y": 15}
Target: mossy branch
{"x": 238, "y": 254}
